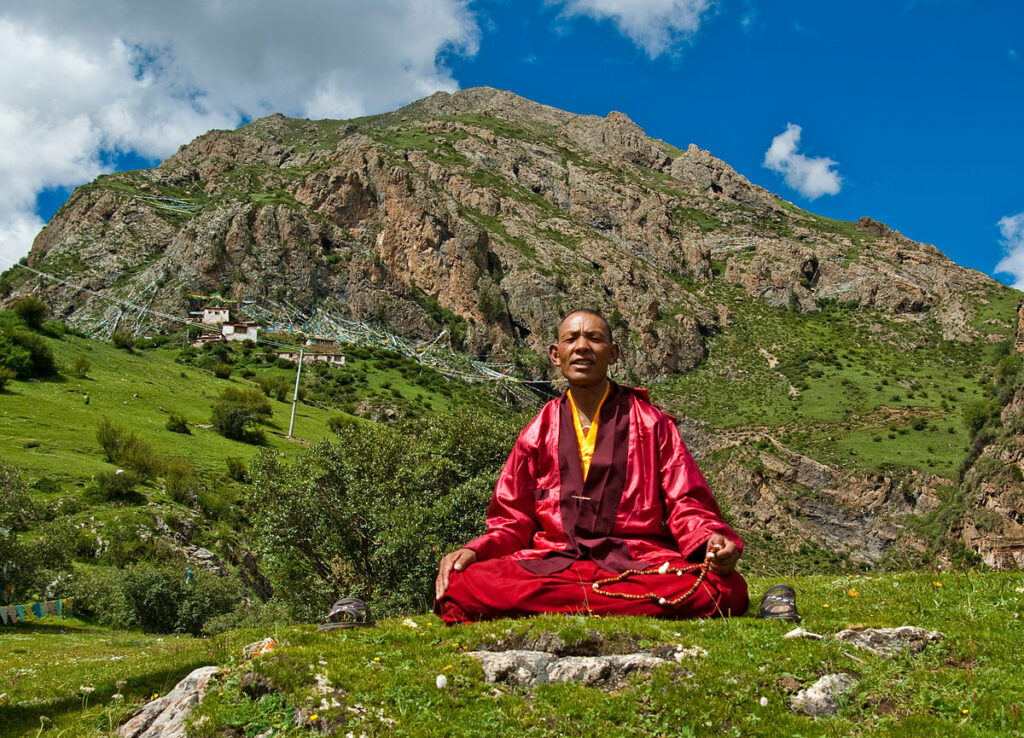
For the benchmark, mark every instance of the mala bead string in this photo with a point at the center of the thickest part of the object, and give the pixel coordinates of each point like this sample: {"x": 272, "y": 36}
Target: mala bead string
{"x": 702, "y": 567}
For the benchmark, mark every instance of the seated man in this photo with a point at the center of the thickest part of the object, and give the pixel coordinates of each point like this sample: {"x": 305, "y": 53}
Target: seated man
{"x": 600, "y": 509}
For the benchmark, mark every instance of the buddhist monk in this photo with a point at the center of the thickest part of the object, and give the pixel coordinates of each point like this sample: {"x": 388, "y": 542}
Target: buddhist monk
{"x": 599, "y": 510}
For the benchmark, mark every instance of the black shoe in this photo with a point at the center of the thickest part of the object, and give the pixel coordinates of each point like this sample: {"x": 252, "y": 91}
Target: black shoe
{"x": 779, "y": 603}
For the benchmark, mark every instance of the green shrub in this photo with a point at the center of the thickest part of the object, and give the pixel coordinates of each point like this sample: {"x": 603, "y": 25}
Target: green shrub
{"x": 128, "y": 450}
{"x": 111, "y": 438}
{"x": 372, "y": 513}
{"x": 160, "y": 599}
{"x": 82, "y": 366}
{"x": 181, "y": 480}
{"x": 177, "y": 424}
{"x": 32, "y": 312}
{"x": 237, "y": 469}
{"x": 237, "y": 412}
{"x": 260, "y": 615}
{"x": 6, "y": 375}
{"x": 98, "y": 595}
{"x": 123, "y": 341}
{"x": 222, "y": 370}
{"x": 283, "y": 363}
{"x": 117, "y": 485}
{"x": 26, "y": 353}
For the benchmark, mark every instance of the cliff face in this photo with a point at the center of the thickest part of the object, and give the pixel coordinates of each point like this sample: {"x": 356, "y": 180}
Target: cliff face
{"x": 489, "y": 215}
{"x": 502, "y": 210}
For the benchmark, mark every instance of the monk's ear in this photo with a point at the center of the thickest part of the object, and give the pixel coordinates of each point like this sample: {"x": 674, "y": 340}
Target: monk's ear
{"x": 614, "y": 354}
{"x": 553, "y": 355}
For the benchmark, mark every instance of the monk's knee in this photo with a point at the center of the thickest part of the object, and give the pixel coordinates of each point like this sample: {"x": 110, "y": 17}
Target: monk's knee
{"x": 734, "y": 598}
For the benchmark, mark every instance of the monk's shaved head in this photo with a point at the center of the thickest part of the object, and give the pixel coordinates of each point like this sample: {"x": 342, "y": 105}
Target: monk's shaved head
{"x": 585, "y": 311}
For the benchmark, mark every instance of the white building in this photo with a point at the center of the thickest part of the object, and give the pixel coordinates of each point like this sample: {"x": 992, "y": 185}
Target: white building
{"x": 240, "y": 331}
{"x": 216, "y": 315}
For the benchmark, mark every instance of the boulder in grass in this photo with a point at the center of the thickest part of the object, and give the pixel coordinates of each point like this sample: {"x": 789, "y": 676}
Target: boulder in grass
{"x": 165, "y": 716}
{"x": 889, "y": 642}
{"x": 822, "y": 697}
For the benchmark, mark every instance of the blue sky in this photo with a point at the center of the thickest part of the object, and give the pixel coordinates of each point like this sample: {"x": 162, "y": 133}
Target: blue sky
{"x": 906, "y": 111}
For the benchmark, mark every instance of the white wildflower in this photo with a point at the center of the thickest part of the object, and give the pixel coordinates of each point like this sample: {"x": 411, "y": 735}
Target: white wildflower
{"x": 441, "y": 681}
{"x": 86, "y": 690}
{"x": 764, "y": 702}
{"x": 409, "y": 623}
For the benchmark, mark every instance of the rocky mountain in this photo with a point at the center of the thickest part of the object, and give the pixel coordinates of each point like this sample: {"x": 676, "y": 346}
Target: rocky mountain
{"x": 802, "y": 352}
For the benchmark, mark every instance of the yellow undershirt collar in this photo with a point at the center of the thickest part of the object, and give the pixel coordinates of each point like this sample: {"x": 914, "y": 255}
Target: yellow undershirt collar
{"x": 588, "y": 441}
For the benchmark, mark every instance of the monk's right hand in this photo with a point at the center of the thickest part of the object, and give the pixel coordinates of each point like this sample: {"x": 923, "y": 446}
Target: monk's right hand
{"x": 455, "y": 561}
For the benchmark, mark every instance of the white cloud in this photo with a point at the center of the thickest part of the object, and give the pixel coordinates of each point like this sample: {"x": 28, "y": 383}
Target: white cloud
{"x": 82, "y": 81}
{"x": 811, "y": 176}
{"x": 656, "y": 26}
{"x": 1011, "y": 228}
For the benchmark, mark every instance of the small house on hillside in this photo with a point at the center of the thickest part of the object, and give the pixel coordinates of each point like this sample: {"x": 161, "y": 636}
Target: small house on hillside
{"x": 205, "y": 338}
{"x": 240, "y": 331}
{"x": 320, "y": 341}
{"x": 215, "y": 315}
{"x": 329, "y": 357}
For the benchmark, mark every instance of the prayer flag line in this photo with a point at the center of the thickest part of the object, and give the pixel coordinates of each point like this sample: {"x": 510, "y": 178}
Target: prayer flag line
{"x": 12, "y": 614}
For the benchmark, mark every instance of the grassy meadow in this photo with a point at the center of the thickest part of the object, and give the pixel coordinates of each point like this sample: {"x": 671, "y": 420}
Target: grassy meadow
{"x": 384, "y": 679}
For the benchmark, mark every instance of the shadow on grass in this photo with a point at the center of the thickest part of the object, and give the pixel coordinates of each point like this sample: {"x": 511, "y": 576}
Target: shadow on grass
{"x": 19, "y": 719}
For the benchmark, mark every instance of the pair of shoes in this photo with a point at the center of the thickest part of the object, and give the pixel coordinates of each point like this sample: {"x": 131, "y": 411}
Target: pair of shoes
{"x": 779, "y": 603}
{"x": 349, "y": 612}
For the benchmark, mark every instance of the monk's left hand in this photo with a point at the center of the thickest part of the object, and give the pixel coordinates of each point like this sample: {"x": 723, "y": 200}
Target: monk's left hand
{"x": 726, "y": 553}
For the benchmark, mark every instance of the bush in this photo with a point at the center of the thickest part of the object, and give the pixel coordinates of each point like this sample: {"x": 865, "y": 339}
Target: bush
{"x": 123, "y": 341}
{"x": 237, "y": 412}
{"x": 32, "y": 312}
{"x": 29, "y": 566}
{"x": 282, "y": 363}
{"x": 372, "y": 513}
{"x": 159, "y": 598}
{"x": 118, "y": 485}
{"x": 237, "y": 469}
{"x": 26, "y": 353}
{"x": 6, "y": 375}
{"x": 128, "y": 450}
{"x": 177, "y": 424}
{"x": 111, "y": 438}
{"x": 222, "y": 370}
{"x": 260, "y": 615}
{"x": 181, "y": 480}
{"x": 82, "y": 366}
{"x": 98, "y": 595}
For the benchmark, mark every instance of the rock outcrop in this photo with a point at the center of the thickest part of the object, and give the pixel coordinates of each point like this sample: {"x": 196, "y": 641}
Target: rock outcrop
{"x": 497, "y": 209}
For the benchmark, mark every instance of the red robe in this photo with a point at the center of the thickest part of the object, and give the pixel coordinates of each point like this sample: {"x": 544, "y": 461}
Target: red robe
{"x": 550, "y": 534}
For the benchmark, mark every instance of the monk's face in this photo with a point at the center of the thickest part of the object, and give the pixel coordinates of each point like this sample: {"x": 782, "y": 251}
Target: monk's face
{"x": 584, "y": 350}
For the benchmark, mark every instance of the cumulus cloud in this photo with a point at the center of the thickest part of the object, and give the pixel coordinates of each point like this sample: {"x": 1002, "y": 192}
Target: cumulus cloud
{"x": 656, "y": 26}
{"x": 811, "y": 176}
{"x": 83, "y": 82}
{"x": 1011, "y": 228}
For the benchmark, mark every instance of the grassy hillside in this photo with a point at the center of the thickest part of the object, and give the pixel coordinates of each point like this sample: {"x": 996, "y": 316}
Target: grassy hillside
{"x": 966, "y": 684}
{"x": 858, "y": 389}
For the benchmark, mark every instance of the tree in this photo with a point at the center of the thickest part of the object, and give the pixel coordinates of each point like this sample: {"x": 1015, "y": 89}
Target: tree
{"x": 237, "y": 413}
{"x": 371, "y": 513}
{"x": 32, "y": 312}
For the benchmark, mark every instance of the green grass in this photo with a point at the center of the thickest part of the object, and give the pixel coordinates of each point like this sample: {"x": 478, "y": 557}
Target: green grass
{"x": 850, "y": 387}
{"x": 967, "y": 684}
{"x": 47, "y": 428}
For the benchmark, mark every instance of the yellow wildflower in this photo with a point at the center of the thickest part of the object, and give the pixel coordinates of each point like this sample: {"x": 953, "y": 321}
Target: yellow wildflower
{"x": 376, "y": 658}
{"x": 937, "y": 584}
{"x": 826, "y": 605}
{"x": 852, "y": 593}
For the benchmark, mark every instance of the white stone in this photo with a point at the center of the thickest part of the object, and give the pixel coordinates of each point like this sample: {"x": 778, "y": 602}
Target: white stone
{"x": 822, "y": 697}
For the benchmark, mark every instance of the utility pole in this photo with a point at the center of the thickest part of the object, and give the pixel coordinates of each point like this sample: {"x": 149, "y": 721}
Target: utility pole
{"x": 295, "y": 397}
